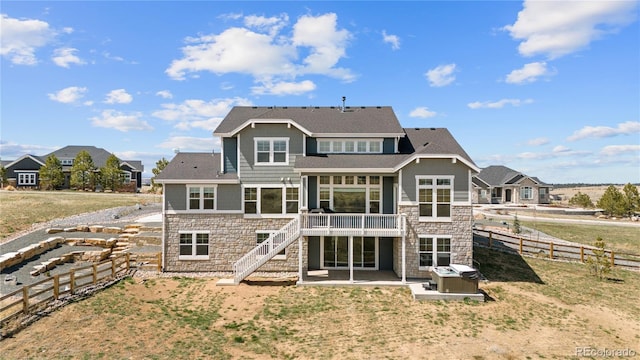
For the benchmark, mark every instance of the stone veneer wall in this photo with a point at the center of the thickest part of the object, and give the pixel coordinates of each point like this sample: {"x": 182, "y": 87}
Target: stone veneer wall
{"x": 459, "y": 229}
{"x": 231, "y": 236}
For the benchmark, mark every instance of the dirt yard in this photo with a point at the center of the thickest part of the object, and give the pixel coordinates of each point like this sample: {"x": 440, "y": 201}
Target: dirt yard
{"x": 536, "y": 309}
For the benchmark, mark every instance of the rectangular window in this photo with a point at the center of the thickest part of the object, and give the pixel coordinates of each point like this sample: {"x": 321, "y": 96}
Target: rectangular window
{"x": 27, "y": 178}
{"x": 440, "y": 257}
{"x": 202, "y": 198}
{"x": 526, "y": 193}
{"x": 336, "y": 146}
{"x": 271, "y": 151}
{"x": 325, "y": 198}
{"x": 194, "y": 245}
{"x": 271, "y": 200}
{"x": 292, "y": 200}
{"x": 434, "y": 197}
{"x": 374, "y": 201}
{"x": 262, "y": 236}
{"x": 250, "y": 200}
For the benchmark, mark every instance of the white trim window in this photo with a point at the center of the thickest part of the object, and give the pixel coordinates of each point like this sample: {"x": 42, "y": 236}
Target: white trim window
{"x": 358, "y": 146}
{"x": 262, "y": 235}
{"x": 194, "y": 245}
{"x": 434, "y": 251}
{"x": 526, "y": 193}
{"x": 126, "y": 178}
{"x": 27, "y": 178}
{"x": 358, "y": 194}
{"x": 434, "y": 194}
{"x": 267, "y": 200}
{"x": 201, "y": 197}
{"x": 271, "y": 151}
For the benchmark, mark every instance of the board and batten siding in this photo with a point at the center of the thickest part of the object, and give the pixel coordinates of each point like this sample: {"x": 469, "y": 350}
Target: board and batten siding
{"x": 230, "y": 152}
{"x": 435, "y": 167}
{"x": 269, "y": 174}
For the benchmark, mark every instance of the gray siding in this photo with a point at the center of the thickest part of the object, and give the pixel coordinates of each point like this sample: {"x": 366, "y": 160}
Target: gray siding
{"x": 388, "y": 146}
{"x": 387, "y": 195}
{"x": 267, "y": 174}
{"x": 230, "y": 149}
{"x": 313, "y": 192}
{"x": 175, "y": 197}
{"x": 229, "y": 197}
{"x": 436, "y": 167}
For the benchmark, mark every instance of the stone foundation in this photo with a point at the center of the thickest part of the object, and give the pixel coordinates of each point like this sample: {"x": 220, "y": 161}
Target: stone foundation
{"x": 459, "y": 229}
{"x": 231, "y": 236}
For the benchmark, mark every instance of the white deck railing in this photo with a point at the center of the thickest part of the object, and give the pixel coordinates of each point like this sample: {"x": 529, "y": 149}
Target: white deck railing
{"x": 352, "y": 224}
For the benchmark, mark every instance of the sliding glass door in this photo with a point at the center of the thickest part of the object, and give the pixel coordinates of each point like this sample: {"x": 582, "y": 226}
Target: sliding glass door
{"x": 335, "y": 252}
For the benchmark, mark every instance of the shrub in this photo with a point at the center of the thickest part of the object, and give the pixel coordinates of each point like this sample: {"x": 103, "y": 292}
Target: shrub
{"x": 581, "y": 200}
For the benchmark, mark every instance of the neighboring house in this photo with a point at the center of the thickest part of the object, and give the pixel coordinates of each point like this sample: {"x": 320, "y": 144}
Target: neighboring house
{"x": 306, "y": 188}
{"x": 23, "y": 172}
{"x": 498, "y": 184}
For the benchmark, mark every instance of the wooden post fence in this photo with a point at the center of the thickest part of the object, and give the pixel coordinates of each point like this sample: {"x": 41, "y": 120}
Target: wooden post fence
{"x": 56, "y": 286}
{"x": 551, "y": 250}
{"x": 159, "y": 258}
{"x": 127, "y": 258}
{"x": 490, "y": 239}
{"x": 613, "y": 259}
{"x": 95, "y": 273}
{"x": 581, "y": 254}
{"x": 25, "y": 299}
{"x": 520, "y": 245}
{"x": 72, "y": 281}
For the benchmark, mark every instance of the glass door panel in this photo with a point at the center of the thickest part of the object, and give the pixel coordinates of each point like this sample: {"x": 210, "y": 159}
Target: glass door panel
{"x": 357, "y": 251}
{"x": 369, "y": 252}
{"x": 342, "y": 251}
{"x": 329, "y": 252}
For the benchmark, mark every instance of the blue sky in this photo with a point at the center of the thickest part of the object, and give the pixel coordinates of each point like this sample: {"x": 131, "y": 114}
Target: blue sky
{"x": 549, "y": 88}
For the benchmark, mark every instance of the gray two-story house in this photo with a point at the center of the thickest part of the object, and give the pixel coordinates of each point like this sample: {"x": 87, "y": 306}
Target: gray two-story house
{"x": 298, "y": 189}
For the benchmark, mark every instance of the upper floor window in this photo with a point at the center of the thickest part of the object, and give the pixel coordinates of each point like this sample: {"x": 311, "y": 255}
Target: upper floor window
{"x": 327, "y": 146}
{"x": 266, "y": 200}
{"x": 526, "y": 193}
{"x": 66, "y": 162}
{"x": 271, "y": 151}
{"x": 434, "y": 197}
{"x": 202, "y": 198}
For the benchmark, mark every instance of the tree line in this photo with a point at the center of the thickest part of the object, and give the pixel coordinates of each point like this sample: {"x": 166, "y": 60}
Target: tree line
{"x": 613, "y": 202}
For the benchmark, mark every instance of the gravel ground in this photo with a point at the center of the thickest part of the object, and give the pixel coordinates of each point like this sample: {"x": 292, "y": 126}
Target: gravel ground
{"x": 119, "y": 216}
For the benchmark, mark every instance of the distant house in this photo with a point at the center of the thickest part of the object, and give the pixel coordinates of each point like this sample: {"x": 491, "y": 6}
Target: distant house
{"x": 498, "y": 184}
{"x": 23, "y": 172}
{"x": 319, "y": 188}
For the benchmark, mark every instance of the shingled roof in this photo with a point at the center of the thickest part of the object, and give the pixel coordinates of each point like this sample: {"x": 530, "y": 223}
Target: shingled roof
{"x": 497, "y": 175}
{"x": 203, "y": 167}
{"x": 317, "y": 121}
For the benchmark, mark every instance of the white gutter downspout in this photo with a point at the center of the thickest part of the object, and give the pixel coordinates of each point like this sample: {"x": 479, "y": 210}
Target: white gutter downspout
{"x": 163, "y": 225}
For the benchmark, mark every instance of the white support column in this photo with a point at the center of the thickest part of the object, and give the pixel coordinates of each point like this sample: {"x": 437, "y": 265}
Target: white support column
{"x": 351, "y": 259}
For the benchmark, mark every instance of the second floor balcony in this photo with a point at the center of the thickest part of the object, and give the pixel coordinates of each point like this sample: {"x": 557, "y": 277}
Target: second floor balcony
{"x": 337, "y": 224}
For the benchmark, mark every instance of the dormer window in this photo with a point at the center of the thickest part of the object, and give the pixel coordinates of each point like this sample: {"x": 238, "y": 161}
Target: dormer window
{"x": 271, "y": 151}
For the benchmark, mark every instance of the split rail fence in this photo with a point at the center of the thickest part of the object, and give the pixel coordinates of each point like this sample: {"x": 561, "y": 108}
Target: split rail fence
{"x": 32, "y": 296}
{"x": 550, "y": 249}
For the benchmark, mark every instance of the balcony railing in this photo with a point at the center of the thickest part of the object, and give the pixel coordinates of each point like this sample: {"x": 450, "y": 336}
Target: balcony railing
{"x": 353, "y": 224}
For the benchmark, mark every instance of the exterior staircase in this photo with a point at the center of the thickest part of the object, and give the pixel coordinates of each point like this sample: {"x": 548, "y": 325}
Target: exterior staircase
{"x": 266, "y": 250}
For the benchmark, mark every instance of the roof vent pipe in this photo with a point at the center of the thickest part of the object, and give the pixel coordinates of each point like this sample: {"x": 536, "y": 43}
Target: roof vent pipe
{"x": 344, "y": 98}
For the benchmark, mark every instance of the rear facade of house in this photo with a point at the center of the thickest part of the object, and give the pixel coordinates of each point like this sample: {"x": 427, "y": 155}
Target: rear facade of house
{"x": 296, "y": 189}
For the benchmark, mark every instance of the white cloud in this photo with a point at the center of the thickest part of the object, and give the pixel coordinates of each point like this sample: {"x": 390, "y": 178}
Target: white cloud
{"x": 538, "y": 141}
{"x": 261, "y": 50}
{"x": 441, "y": 75}
{"x": 68, "y": 95}
{"x": 196, "y": 113}
{"x": 529, "y": 73}
{"x": 612, "y": 150}
{"x": 13, "y": 151}
{"x": 65, "y": 56}
{"x": 625, "y": 128}
{"x": 118, "y": 96}
{"x": 560, "y": 149}
{"x": 394, "y": 40}
{"x": 20, "y": 39}
{"x": 112, "y": 119}
{"x": 498, "y": 104}
{"x": 284, "y": 88}
{"x": 188, "y": 143}
{"x": 165, "y": 94}
{"x": 422, "y": 112}
{"x": 557, "y": 28}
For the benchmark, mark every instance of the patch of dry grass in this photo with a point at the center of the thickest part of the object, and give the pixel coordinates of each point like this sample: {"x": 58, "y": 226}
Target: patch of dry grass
{"x": 19, "y": 210}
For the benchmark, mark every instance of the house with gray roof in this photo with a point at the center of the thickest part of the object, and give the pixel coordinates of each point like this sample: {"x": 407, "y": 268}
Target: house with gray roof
{"x": 499, "y": 184}
{"x": 24, "y": 171}
{"x": 312, "y": 189}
